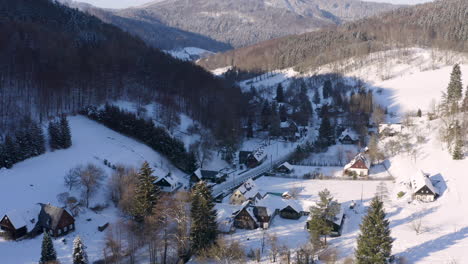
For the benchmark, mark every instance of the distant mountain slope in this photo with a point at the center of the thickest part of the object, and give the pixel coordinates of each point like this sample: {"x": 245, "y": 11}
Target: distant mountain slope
{"x": 55, "y": 60}
{"x": 245, "y": 22}
{"x": 152, "y": 31}
{"x": 442, "y": 24}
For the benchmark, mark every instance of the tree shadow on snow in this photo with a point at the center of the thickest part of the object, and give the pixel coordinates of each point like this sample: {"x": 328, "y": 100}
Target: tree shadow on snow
{"x": 419, "y": 252}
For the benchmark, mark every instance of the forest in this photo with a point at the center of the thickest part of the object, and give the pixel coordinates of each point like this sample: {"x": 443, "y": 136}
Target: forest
{"x": 57, "y": 60}
{"x": 440, "y": 24}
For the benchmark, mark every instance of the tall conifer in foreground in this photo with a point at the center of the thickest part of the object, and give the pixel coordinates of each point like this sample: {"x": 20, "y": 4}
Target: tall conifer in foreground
{"x": 79, "y": 253}
{"x": 65, "y": 134}
{"x": 146, "y": 193}
{"x": 204, "y": 227}
{"x": 48, "y": 254}
{"x": 374, "y": 244}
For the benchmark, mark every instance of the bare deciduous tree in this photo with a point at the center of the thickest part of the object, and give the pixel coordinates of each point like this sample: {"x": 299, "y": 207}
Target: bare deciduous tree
{"x": 91, "y": 177}
{"x": 72, "y": 179}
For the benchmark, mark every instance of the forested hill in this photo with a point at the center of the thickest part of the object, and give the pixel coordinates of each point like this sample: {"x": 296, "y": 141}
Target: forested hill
{"x": 441, "y": 24}
{"x": 55, "y": 59}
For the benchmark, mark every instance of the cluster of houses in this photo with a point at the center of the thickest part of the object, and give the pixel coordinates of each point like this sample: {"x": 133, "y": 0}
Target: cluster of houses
{"x": 29, "y": 223}
{"x": 250, "y": 208}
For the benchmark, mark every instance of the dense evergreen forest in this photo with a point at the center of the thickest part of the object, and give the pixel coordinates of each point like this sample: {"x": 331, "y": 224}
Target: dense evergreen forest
{"x": 54, "y": 60}
{"x": 441, "y": 24}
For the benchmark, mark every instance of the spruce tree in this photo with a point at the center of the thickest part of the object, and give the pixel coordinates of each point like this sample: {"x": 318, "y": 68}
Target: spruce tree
{"x": 455, "y": 87}
{"x": 280, "y": 93}
{"x": 374, "y": 244}
{"x": 204, "y": 228}
{"x": 465, "y": 101}
{"x": 323, "y": 213}
{"x": 11, "y": 150}
{"x": 458, "y": 150}
{"x": 38, "y": 139}
{"x": 65, "y": 134}
{"x": 79, "y": 253}
{"x": 48, "y": 254}
{"x": 327, "y": 89}
{"x": 326, "y": 134}
{"x": 54, "y": 135}
{"x": 316, "y": 98}
{"x": 146, "y": 193}
{"x": 419, "y": 113}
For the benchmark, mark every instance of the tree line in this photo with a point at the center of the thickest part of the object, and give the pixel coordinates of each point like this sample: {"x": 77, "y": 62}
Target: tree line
{"x": 72, "y": 60}
{"x": 146, "y": 131}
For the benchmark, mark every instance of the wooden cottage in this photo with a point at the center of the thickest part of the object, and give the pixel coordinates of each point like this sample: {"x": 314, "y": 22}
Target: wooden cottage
{"x": 168, "y": 184}
{"x": 289, "y": 130}
{"x": 54, "y": 220}
{"x": 348, "y": 137}
{"x": 359, "y": 166}
{"x": 289, "y": 212}
{"x": 17, "y": 224}
{"x": 390, "y": 130}
{"x": 423, "y": 189}
{"x": 285, "y": 168}
{"x": 248, "y": 191}
{"x": 204, "y": 175}
{"x": 245, "y": 218}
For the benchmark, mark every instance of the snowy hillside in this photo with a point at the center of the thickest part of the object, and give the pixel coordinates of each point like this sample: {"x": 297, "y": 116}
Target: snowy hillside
{"x": 40, "y": 180}
{"x": 189, "y": 53}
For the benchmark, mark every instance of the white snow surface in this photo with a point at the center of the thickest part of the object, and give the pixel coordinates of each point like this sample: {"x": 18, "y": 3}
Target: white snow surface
{"x": 40, "y": 179}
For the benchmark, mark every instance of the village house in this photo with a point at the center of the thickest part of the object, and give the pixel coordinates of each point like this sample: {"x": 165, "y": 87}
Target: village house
{"x": 358, "y": 166}
{"x": 225, "y": 217}
{"x": 390, "y": 130}
{"x": 16, "y": 224}
{"x": 252, "y": 159}
{"x": 51, "y": 219}
{"x": 349, "y": 137}
{"x": 245, "y": 218}
{"x": 248, "y": 191}
{"x": 285, "y": 168}
{"x": 422, "y": 187}
{"x": 209, "y": 176}
{"x": 289, "y": 130}
{"x": 168, "y": 184}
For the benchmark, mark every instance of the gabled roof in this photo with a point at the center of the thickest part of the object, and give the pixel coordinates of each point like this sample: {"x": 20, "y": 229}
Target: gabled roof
{"x": 273, "y": 202}
{"x": 419, "y": 180}
{"x": 50, "y": 215}
{"x": 359, "y": 157}
{"x": 286, "y": 165}
{"x": 171, "y": 180}
{"x": 348, "y": 132}
{"x": 248, "y": 189}
{"x": 23, "y": 218}
{"x": 259, "y": 154}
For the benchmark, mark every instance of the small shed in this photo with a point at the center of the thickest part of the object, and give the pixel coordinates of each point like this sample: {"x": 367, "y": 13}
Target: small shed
{"x": 285, "y": 168}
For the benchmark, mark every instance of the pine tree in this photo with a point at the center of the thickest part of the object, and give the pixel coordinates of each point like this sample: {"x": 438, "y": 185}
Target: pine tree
{"x": 54, "y": 135}
{"x": 65, "y": 134}
{"x": 316, "y": 98}
{"x": 280, "y": 93}
{"x": 326, "y": 134}
{"x": 458, "y": 150}
{"x": 38, "y": 141}
{"x": 327, "y": 89}
{"x": 374, "y": 244}
{"x": 266, "y": 115}
{"x": 455, "y": 87}
{"x": 322, "y": 214}
{"x": 48, "y": 254}
{"x": 419, "y": 113}
{"x": 11, "y": 150}
{"x": 146, "y": 193}
{"x": 204, "y": 227}
{"x": 79, "y": 253}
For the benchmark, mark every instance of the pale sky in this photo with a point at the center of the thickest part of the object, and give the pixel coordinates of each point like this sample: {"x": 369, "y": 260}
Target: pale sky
{"x": 130, "y": 3}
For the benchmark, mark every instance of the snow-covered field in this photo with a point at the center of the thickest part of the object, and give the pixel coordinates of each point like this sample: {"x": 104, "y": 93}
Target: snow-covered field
{"x": 40, "y": 179}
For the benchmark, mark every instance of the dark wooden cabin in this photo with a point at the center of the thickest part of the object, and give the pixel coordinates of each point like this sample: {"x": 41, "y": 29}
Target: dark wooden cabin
{"x": 13, "y": 232}
{"x": 290, "y": 213}
{"x": 55, "y": 220}
{"x": 245, "y": 219}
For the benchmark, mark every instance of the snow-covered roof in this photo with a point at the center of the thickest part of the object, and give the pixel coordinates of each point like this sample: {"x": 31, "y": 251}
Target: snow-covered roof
{"x": 248, "y": 189}
{"x": 286, "y": 165}
{"x": 20, "y": 218}
{"x": 360, "y": 156}
{"x": 419, "y": 180}
{"x": 348, "y": 132}
{"x": 274, "y": 202}
{"x": 259, "y": 154}
{"x": 224, "y": 216}
{"x": 390, "y": 128}
{"x": 170, "y": 179}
